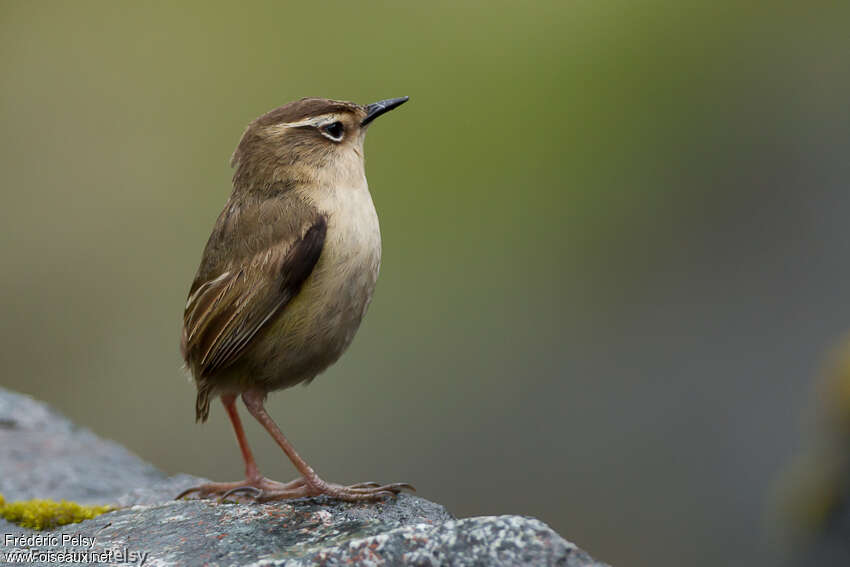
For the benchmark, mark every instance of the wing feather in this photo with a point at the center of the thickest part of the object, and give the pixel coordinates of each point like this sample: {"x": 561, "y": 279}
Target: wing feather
{"x": 225, "y": 313}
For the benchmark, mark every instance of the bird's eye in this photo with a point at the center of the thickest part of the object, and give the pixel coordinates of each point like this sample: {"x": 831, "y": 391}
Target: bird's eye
{"x": 334, "y": 131}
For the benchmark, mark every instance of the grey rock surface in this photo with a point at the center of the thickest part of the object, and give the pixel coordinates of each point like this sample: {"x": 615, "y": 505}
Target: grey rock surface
{"x": 153, "y": 529}
{"x": 44, "y": 455}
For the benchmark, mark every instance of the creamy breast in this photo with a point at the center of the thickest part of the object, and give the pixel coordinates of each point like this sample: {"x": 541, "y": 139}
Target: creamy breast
{"x": 320, "y": 322}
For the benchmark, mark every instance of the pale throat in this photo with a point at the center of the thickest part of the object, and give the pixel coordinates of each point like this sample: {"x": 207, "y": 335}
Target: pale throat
{"x": 342, "y": 193}
{"x": 341, "y": 183}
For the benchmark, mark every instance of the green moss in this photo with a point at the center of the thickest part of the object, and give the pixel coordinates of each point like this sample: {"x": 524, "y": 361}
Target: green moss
{"x": 46, "y": 514}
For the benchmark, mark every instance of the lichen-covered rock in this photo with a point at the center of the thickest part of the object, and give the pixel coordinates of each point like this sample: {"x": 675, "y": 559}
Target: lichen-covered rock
{"x": 497, "y": 540}
{"x": 154, "y": 530}
{"x": 40, "y": 514}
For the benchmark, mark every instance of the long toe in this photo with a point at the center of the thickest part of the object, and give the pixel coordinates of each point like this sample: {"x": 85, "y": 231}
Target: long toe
{"x": 395, "y": 487}
{"x": 265, "y": 490}
{"x": 211, "y": 489}
{"x": 370, "y": 484}
{"x": 253, "y": 489}
{"x": 364, "y": 491}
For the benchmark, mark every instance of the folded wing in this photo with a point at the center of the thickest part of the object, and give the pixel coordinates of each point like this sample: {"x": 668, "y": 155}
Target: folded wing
{"x": 224, "y": 313}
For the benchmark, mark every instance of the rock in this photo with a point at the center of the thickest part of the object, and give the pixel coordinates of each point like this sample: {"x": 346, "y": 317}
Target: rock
{"x": 153, "y": 529}
{"x": 44, "y": 455}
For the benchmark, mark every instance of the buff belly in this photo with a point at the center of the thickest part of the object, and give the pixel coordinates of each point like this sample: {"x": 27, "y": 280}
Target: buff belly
{"x": 316, "y": 327}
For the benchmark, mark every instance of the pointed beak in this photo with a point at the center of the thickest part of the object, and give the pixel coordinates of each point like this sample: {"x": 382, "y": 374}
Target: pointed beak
{"x": 382, "y": 106}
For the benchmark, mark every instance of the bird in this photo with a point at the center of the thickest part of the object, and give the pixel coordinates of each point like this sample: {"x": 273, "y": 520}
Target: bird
{"x": 285, "y": 279}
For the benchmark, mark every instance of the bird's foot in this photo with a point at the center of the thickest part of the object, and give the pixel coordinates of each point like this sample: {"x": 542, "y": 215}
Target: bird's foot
{"x": 360, "y": 492}
{"x": 254, "y": 487}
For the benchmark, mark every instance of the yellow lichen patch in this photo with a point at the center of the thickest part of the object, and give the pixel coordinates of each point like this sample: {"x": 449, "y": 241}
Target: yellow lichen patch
{"x": 47, "y": 514}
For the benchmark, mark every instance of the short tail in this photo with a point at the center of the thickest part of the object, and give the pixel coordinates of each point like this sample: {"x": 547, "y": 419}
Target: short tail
{"x": 202, "y": 403}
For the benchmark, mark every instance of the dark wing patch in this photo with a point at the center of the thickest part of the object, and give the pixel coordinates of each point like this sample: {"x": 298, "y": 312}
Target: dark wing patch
{"x": 225, "y": 313}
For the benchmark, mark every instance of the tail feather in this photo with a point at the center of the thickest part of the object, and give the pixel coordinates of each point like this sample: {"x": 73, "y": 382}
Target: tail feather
{"x": 202, "y": 403}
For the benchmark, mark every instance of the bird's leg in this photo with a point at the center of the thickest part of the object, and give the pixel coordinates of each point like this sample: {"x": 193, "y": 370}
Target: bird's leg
{"x": 252, "y": 473}
{"x": 312, "y": 484}
{"x": 254, "y": 482}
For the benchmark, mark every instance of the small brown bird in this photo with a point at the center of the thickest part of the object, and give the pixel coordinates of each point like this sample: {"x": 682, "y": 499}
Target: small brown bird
{"x": 286, "y": 276}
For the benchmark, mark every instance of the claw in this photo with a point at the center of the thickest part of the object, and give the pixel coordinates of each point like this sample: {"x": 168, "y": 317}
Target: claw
{"x": 187, "y": 492}
{"x": 258, "y": 493}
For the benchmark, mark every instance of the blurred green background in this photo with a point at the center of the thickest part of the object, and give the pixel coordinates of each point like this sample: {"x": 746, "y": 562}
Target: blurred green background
{"x": 615, "y": 245}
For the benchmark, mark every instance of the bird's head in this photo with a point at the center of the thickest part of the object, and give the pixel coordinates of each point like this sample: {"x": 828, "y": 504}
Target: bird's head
{"x": 304, "y": 141}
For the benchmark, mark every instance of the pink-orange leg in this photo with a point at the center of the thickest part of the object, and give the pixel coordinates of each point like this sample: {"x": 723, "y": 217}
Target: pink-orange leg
{"x": 312, "y": 484}
{"x": 254, "y": 481}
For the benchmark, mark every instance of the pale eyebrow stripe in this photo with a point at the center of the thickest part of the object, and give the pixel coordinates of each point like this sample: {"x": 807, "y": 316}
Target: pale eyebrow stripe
{"x": 312, "y": 121}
